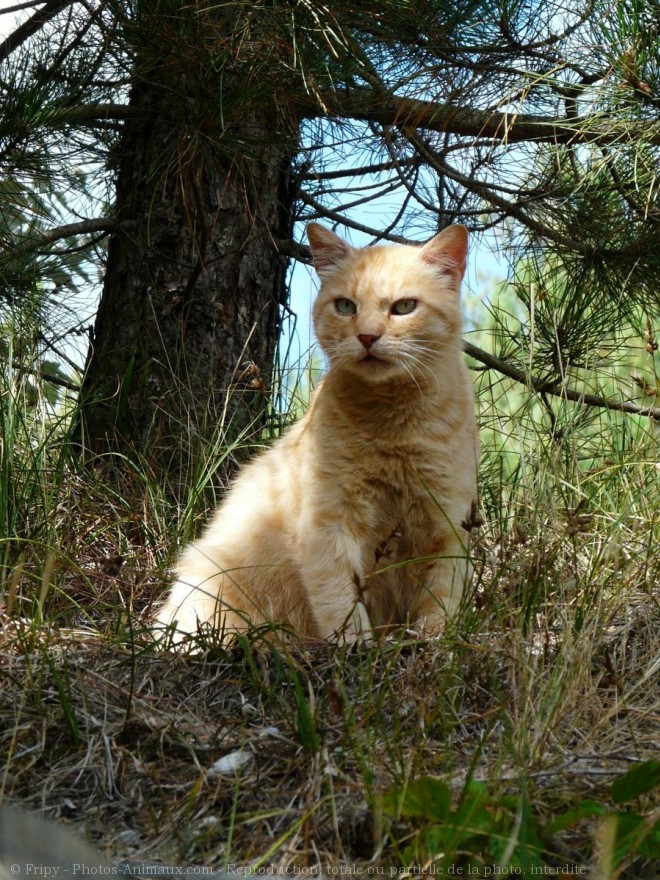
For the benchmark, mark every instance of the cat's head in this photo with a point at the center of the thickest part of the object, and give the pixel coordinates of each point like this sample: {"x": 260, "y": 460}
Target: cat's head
{"x": 389, "y": 313}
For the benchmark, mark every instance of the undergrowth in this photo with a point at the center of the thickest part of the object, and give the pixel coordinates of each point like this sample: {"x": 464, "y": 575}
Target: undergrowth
{"x": 523, "y": 742}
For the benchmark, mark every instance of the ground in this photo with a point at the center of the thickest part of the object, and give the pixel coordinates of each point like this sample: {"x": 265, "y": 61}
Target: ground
{"x": 492, "y": 748}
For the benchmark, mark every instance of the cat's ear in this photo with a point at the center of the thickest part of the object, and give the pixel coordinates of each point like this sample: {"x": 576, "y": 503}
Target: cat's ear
{"x": 328, "y": 249}
{"x": 447, "y": 252}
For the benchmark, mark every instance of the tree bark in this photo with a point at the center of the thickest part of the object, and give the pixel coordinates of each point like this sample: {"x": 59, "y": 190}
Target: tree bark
{"x": 185, "y": 336}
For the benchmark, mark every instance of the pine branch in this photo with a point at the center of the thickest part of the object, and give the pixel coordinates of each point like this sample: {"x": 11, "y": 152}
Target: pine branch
{"x": 43, "y": 239}
{"x": 336, "y": 217}
{"x": 409, "y": 114}
{"x": 508, "y": 128}
{"x": 55, "y": 380}
{"x": 19, "y": 7}
{"x": 557, "y": 389}
{"x": 357, "y": 171}
{"x": 51, "y": 346}
{"x": 31, "y": 26}
{"x": 41, "y": 373}
{"x": 509, "y": 208}
{"x": 300, "y": 252}
{"x": 91, "y": 114}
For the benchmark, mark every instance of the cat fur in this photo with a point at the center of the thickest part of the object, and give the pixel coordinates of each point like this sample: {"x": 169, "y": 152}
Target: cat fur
{"x": 356, "y": 519}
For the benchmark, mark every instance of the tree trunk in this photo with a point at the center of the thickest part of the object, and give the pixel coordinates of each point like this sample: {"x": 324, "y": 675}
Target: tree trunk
{"x": 186, "y": 331}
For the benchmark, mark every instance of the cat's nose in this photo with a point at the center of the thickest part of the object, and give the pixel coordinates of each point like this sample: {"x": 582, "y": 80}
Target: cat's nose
{"x": 367, "y": 340}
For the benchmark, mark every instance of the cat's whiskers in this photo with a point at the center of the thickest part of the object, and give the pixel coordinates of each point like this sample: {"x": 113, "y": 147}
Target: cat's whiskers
{"x": 423, "y": 347}
{"x": 409, "y": 370}
{"x": 415, "y": 358}
{"x": 432, "y": 352}
{"x": 335, "y": 354}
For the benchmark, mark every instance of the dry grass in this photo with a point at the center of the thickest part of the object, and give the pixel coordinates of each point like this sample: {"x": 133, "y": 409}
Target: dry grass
{"x": 545, "y": 708}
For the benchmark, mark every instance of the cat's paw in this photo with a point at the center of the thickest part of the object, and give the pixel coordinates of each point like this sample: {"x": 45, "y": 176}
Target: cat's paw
{"x": 358, "y": 627}
{"x": 432, "y": 625}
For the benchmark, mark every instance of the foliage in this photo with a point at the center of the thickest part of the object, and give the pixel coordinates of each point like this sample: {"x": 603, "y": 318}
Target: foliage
{"x": 34, "y": 417}
{"x": 482, "y": 836}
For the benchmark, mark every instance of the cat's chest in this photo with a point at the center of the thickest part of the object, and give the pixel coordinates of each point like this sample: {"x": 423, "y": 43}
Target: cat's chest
{"x": 401, "y": 469}
{"x": 392, "y": 513}
{"x": 391, "y": 488}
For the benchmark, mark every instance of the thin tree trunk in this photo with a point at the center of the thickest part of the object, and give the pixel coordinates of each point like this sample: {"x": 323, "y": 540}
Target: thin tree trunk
{"x": 185, "y": 336}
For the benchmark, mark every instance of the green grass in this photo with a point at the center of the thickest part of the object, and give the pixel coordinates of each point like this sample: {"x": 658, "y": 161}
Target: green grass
{"x": 522, "y": 742}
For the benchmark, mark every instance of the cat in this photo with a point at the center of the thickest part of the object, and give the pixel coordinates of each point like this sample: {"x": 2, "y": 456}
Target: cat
{"x": 358, "y": 518}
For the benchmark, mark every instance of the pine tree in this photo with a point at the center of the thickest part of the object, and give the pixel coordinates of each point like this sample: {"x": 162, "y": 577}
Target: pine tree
{"x": 221, "y": 125}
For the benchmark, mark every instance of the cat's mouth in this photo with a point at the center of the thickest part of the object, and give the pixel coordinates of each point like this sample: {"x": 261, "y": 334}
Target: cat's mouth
{"x": 372, "y": 359}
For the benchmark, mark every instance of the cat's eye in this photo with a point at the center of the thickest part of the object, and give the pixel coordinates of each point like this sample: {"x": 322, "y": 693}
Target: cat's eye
{"x": 404, "y": 307}
{"x": 345, "y": 306}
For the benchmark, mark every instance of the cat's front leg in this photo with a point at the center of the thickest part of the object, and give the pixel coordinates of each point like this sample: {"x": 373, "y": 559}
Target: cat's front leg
{"x": 331, "y": 566}
{"x": 356, "y": 627}
{"x": 443, "y": 588}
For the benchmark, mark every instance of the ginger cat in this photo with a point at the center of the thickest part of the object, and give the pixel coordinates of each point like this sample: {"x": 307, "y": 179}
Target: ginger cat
{"x": 355, "y": 519}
